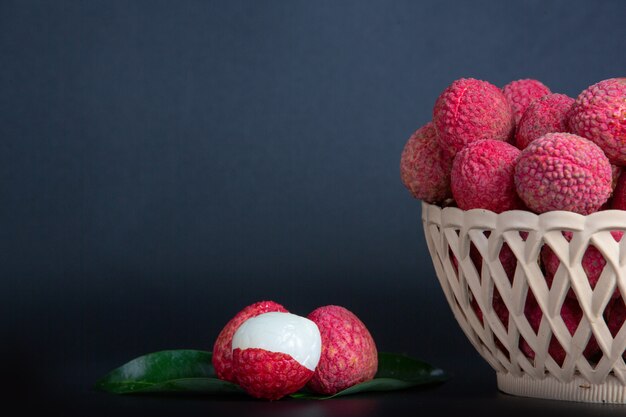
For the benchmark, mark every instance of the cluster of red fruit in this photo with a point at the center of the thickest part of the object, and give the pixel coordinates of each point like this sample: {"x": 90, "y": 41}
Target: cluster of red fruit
{"x": 521, "y": 147}
{"x": 524, "y": 148}
{"x": 271, "y": 353}
{"x": 571, "y": 312}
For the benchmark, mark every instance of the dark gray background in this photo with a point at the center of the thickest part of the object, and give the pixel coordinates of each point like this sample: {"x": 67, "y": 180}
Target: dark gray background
{"x": 166, "y": 163}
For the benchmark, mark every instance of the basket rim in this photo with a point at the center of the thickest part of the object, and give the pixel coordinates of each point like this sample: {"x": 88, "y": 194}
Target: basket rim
{"x": 552, "y": 213}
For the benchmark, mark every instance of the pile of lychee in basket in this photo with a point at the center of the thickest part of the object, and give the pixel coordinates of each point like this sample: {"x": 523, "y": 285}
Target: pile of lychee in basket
{"x": 522, "y": 147}
{"x": 271, "y": 353}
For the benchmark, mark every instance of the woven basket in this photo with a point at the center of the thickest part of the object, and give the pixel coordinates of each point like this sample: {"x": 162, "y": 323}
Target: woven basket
{"x": 465, "y": 247}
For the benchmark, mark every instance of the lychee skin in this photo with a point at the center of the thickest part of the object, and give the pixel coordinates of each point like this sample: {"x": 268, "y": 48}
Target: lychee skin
{"x": 506, "y": 256}
{"x": 222, "y": 350}
{"x": 615, "y": 315}
{"x": 497, "y": 303}
{"x": 521, "y": 93}
{"x": 616, "y": 172}
{"x": 482, "y": 176}
{"x": 547, "y": 114}
{"x": 571, "y": 313}
{"x": 618, "y": 199}
{"x": 349, "y": 355}
{"x": 592, "y": 262}
{"x": 470, "y": 110}
{"x": 424, "y": 167}
{"x": 561, "y": 171}
{"x": 599, "y": 114}
{"x": 268, "y": 375}
{"x": 509, "y": 264}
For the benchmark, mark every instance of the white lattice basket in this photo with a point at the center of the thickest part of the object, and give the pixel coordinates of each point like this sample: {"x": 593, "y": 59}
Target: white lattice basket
{"x": 465, "y": 247}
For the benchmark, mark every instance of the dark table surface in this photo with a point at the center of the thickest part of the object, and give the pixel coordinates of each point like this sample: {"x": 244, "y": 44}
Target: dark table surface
{"x": 471, "y": 390}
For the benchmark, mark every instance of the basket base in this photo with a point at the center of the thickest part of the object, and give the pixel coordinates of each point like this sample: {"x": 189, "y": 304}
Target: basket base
{"x": 612, "y": 391}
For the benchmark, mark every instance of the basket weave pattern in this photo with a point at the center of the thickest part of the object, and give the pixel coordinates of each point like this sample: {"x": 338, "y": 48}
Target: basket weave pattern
{"x": 450, "y": 233}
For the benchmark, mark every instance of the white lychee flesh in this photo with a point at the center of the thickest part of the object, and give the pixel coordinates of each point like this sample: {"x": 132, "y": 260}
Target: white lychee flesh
{"x": 286, "y": 333}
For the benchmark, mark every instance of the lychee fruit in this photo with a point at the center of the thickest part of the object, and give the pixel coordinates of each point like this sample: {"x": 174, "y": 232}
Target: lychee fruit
{"x": 562, "y": 171}
{"x": 599, "y": 114}
{"x": 616, "y": 172}
{"x": 618, "y": 199}
{"x": 501, "y": 311}
{"x": 521, "y": 93}
{"x": 275, "y": 354}
{"x": 506, "y": 257}
{"x": 547, "y": 114}
{"x": 571, "y": 313}
{"x": 615, "y": 315}
{"x": 424, "y": 167}
{"x": 222, "y": 350}
{"x": 482, "y": 176}
{"x": 509, "y": 264}
{"x": 592, "y": 262}
{"x": 470, "y": 110}
{"x": 349, "y": 355}
{"x": 498, "y": 305}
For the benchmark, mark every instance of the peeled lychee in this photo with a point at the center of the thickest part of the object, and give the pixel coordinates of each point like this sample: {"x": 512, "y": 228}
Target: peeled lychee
{"x": 482, "y": 176}
{"x": 222, "y": 350}
{"x": 521, "y": 93}
{"x": 470, "y": 110}
{"x": 561, "y": 171}
{"x": 275, "y": 354}
{"x": 349, "y": 355}
{"x": 592, "y": 262}
{"x": 547, "y": 114}
{"x": 599, "y": 114}
{"x": 424, "y": 167}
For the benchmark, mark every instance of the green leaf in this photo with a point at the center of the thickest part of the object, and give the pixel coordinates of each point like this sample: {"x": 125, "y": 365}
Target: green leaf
{"x": 395, "y": 372}
{"x": 190, "y": 371}
{"x": 167, "y": 371}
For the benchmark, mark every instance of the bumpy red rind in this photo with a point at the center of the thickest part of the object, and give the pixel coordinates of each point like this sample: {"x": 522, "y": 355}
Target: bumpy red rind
{"x": 521, "y": 93}
{"x": 470, "y": 110}
{"x": 561, "y": 171}
{"x": 268, "y": 375}
{"x": 349, "y": 355}
{"x": 424, "y": 167}
{"x": 482, "y": 176}
{"x": 548, "y": 114}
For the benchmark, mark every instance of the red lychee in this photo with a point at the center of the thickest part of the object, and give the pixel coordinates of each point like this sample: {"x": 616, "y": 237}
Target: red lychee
{"x": 482, "y": 176}
{"x": 618, "y": 199}
{"x": 521, "y": 93}
{"x": 222, "y": 350}
{"x": 470, "y": 110}
{"x": 599, "y": 114}
{"x": 349, "y": 355}
{"x": 509, "y": 264}
{"x": 275, "y": 354}
{"x": 616, "y": 173}
{"x": 561, "y": 171}
{"x": 547, "y": 114}
{"x": 615, "y": 315}
{"x": 592, "y": 262}
{"x": 571, "y": 313}
{"x": 424, "y": 167}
